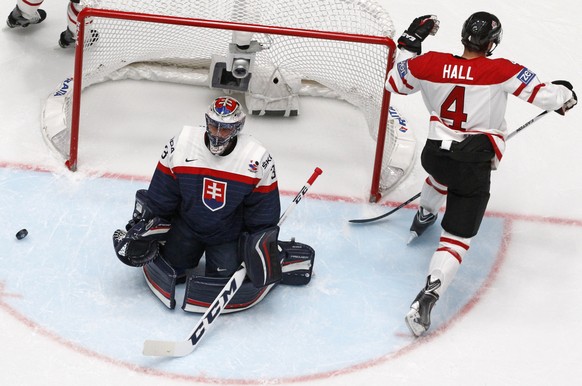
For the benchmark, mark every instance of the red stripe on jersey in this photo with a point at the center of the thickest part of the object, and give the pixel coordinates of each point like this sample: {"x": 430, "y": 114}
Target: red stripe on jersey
{"x": 32, "y": 4}
{"x": 267, "y": 188}
{"x": 455, "y": 254}
{"x": 496, "y": 149}
{"x": 405, "y": 83}
{"x": 439, "y": 67}
{"x": 166, "y": 170}
{"x": 535, "y": 92}
{"x": 393, "y": 85}
{"x": 519, "y": 89}
{"x": 216, "y": 174}
{"x": 434, "y": 118}
{"x": 454, "y": 242}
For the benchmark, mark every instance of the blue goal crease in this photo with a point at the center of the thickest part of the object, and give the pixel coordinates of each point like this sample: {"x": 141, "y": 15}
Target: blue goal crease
{"x": 69, "y": 281}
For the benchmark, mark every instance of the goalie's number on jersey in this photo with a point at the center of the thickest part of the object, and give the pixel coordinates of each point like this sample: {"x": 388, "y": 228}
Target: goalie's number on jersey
{"x": 453, "y": 108}
{"x": 169, "y": 148}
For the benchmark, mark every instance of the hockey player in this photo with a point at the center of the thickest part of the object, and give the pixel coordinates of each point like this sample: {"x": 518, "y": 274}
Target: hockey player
{"x": 466, "y": 96}
{"x": 27, "y": 12}
{"x": 214, "y": 193}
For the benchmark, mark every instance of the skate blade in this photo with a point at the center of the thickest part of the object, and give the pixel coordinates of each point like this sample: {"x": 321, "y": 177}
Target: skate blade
{"x": 413, "y": 235}
{"x": 415, "y": 328}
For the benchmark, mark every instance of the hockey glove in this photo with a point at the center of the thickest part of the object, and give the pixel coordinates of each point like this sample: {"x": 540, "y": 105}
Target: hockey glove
{"x": 141, "y": 209}
{"x": 140, "y": 244}
{"x": 418, "y": 30}
{"x": 570, "y": 102}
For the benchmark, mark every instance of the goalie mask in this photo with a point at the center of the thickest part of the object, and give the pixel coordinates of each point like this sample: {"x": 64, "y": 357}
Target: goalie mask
{"x": 480, "y": 29}
{"x": 224, "y": 120}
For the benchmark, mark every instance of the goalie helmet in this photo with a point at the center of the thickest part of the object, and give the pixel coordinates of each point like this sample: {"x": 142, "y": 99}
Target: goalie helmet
{"x": 480, "y": 29}
{"x": 224, "y": 120}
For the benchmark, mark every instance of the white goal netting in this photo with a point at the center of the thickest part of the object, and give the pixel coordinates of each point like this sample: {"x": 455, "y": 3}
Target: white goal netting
{"x": 331, "y": 48}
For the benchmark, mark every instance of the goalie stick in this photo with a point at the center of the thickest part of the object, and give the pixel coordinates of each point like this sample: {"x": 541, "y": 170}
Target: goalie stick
{"x": 509, "y": 136}
{"x": 184, "y": 347}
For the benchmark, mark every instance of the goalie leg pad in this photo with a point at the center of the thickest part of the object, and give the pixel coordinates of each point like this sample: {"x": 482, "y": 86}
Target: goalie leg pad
{"x": 261, "y": 255}
{"x": 297, "y": 262}
{"x": 161, "y": 278}
{"x": 202, "y": 290}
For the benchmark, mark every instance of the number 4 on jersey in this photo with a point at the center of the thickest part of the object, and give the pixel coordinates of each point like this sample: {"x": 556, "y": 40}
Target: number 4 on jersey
{"x": 453, "y": 107}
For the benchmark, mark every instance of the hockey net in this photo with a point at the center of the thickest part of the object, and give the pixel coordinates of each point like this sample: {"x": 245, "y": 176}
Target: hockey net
{"x": 332, "y": 48}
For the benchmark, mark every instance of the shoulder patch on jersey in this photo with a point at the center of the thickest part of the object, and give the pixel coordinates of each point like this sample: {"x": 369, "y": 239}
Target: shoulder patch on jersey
{"x": 253, "y": 166}
{"x": 525, "y": 76}
{"x": 402, "y": 68}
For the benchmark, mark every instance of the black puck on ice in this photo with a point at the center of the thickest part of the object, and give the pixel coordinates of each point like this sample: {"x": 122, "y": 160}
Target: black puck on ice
{"x": 21, "y": 234}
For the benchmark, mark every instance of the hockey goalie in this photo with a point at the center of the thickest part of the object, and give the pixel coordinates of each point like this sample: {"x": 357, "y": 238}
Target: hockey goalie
{"x": 213, "y": 194}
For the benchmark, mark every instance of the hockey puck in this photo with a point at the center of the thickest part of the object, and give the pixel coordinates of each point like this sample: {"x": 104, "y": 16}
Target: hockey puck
{"x": 21, "y": 234}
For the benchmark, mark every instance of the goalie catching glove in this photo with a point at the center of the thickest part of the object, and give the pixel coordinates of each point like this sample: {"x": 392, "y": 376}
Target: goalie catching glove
{"x": 418, "y": 30}
{"x": 141, "y": 243}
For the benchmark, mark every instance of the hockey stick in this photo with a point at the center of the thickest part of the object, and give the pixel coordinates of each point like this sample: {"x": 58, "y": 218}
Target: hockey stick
{"x": 509, "y": 136}
{"x": 184, "y": 347}
{"x": 365, "y": 220}
{"x": 520, "y": 128}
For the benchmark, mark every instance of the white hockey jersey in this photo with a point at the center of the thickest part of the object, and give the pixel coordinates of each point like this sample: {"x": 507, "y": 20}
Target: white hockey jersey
{"x": 469, "y": 96}
{"x": 217, "y": 196}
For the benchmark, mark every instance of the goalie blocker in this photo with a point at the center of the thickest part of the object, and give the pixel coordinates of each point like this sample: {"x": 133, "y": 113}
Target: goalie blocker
{"x": 296, "y": 267}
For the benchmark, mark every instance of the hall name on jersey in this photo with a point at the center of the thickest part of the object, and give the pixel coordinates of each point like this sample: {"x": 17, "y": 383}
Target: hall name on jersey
{"x": 455, "y": 71}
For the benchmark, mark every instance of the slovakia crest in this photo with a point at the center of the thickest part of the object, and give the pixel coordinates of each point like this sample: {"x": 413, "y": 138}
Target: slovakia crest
{"x": 214, "y": 194}
{"x": 225, "y": 106}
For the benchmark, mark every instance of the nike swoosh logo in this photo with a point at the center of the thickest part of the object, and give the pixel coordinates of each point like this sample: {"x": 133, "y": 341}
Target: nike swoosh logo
{"x": 191, "y": 159}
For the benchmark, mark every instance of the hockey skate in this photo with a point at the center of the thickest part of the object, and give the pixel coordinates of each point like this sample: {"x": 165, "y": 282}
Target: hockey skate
{"x": 67, "y": 38}
{"x": 422, "y": 220}
{"x": 16, "y": 18}
{"x": 418, "y": 318}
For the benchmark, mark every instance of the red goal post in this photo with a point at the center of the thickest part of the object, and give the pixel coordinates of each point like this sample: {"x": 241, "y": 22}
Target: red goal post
{"x": 384, "y": 123}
